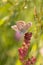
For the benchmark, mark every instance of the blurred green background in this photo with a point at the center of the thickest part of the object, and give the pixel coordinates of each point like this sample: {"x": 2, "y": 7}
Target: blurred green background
{"x": 10, "y": 12}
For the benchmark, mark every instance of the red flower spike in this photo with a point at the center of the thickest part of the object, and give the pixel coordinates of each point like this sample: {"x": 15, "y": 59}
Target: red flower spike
{"x": 28, "y": 45}
{"x": 21, "y": 53}
{"x": 24, "y": 50}
{"x": 21, "y": 58}
{"x": 28, "y": 36}
{"x": 23, "y": 44}
{"x": 26, "y": 41}
{"x": 33, "y": 59}
{"x": 28, "y": 62}
{"x": 20, "y": 50}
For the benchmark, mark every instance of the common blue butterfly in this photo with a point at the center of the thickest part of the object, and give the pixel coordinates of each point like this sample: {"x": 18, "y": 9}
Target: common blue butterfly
{"x": 21, "y": 28}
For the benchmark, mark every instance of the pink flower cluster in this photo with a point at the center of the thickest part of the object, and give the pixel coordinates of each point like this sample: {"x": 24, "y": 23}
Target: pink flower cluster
{"x": 23, "y": 51}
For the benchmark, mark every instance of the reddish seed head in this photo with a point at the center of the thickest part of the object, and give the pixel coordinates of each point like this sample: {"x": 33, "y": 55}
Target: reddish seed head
{"x": 23, "y": 44}
{"x": 27, "y": 41}
{"x": 28, "y": 62}
{"x": 27, "y": 36}
{"x": 20, "y": 51}
{"x": 21, "y": 58}
{"x": 24, "y": 50}
{"x": 33, "y": 59}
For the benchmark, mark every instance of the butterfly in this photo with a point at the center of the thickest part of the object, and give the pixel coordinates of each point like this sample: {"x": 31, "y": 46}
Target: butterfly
{"x": 21, "y": 28}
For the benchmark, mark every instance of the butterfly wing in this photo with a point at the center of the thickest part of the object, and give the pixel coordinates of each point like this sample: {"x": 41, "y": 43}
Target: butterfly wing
{"x": 20, "y": 24}
{"x": 14, "y": 27}
{"x": 26, "y": 27}
{"x": 17, "y": 35}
